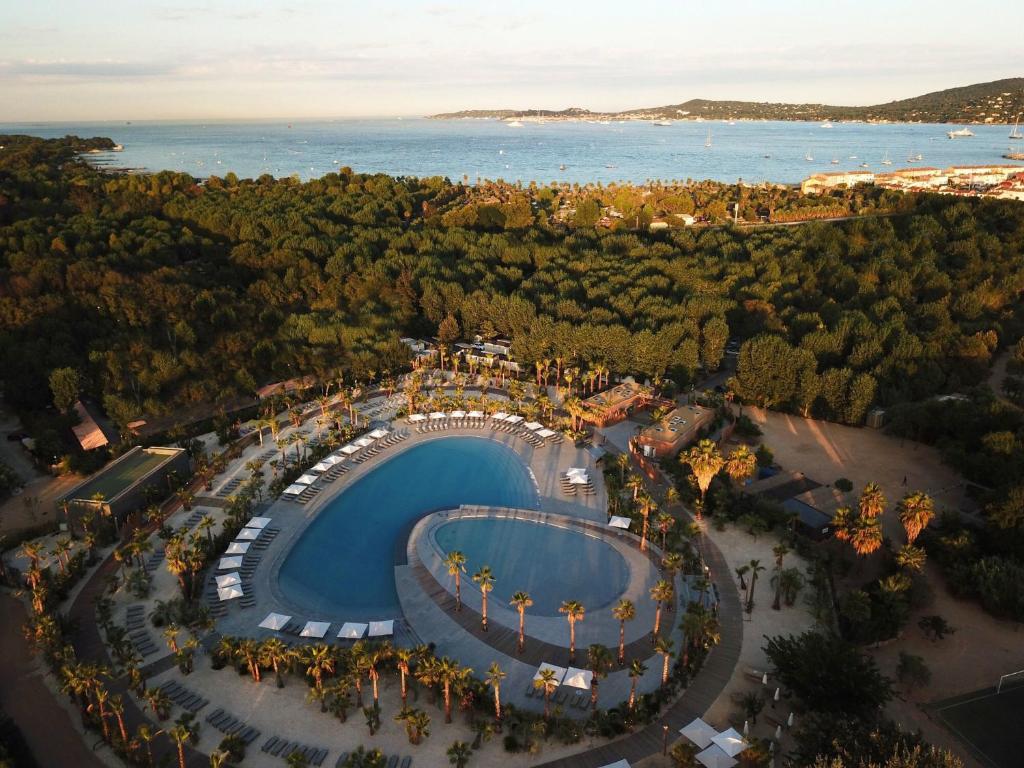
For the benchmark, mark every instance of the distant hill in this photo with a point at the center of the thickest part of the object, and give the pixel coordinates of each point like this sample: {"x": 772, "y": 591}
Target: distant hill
{"x": 997, "y": 102}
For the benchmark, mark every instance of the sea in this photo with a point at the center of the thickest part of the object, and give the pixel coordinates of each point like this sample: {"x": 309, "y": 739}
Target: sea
{"x": 562, "y": 151}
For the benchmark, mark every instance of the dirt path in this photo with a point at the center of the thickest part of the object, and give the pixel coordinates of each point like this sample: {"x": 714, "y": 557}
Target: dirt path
{"x": 47, "y": 727}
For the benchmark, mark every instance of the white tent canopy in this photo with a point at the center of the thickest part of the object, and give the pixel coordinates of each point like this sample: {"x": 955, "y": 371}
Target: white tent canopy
{"x": 514, "y": 419}
{"x": 730, "y": 742}
{"x": 417, "y": 417}
{"x": 332, "y": 460}
{"x": 363, "y": 442}
{"x": 618, "y": 521}
{"x": 258, "y": 522}
{"x": 458, "y": 414}
{"x": 352, "y": 630}
{"x": 377, "y": 434}
{"x": 320, "y": 466}
{"x": 228, "y": 579}
{"x": 714, "y": 757}
{"x": 382, "y": 628}
{"x": 578, "y": 678}
{"x": 499, "y": 416}
{"x": 315, "y": 629}
{"x": 249, "y": 534}
{"x": 294, "y": 489}
{"x": 617, "y": 764}
{"x": 699, "y": 732}
{"x": 546, "y": 433}
{"x": 227, "y": 563}
{"x": 237, "y": 548}
{"x": 533, "y": 426}
{"x": 275, "y": 621}
{"x": 475, "y": 414}
{"x": 559, "y": 672}
{"x": 230, "y": 593}
{"x": 438, "y": 415}
{"x": 306, "y": 479}
{"x": 349, "y": 450}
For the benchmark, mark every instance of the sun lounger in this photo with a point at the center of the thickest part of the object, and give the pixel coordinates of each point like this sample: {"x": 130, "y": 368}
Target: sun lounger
{"x": 341, "y": 760}
{"x": 215, "y": 714}
{"x": 393, "y": 761}
{"x": 406, "y": 762}
{"x": 269, "y": 744}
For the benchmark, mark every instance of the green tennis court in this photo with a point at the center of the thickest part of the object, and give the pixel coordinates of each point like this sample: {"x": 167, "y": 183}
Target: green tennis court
{"x": 990, "y": 724}
{"x": 118, "y": 476}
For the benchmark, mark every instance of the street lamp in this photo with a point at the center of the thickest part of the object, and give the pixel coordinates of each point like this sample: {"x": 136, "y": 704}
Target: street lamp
{"x": 664, "y": 740}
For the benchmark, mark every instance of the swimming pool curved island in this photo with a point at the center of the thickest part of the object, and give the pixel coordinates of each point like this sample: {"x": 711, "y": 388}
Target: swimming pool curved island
{"x": 342, "y": 564}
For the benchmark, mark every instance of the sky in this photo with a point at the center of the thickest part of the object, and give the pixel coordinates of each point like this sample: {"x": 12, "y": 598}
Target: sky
{"x": 77, "y": 60}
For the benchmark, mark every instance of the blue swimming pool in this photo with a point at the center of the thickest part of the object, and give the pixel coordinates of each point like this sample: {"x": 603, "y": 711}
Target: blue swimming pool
{"x": 552, "y": 564}
{"x": 343, "y": 563}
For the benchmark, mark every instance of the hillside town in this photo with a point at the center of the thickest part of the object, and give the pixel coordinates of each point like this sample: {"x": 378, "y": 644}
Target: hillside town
{"x": 1001, "y": 181}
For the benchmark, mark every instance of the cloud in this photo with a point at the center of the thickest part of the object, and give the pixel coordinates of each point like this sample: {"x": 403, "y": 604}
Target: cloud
{"x": 86, "y": 70}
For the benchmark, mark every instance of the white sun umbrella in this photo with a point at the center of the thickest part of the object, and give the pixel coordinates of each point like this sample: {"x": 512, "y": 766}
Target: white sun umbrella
{"x": 230, "y": 593}
{"x": 778, "y": 732}
{"x": 475, "y": 414}
{"x": 546, "y": 433}
{"x": 458, "y": 414}
{"x": 377, "y": 434}
{"x": 306, "y": 479}
{"x": 320, "y": 466}
{"x": 617, "y": 764}
{"x": 417, "y": 417}
{"x": 227, "y": 580}
{"x": 578, "y": 477}
{"x": 578, "y": 678}
{"x": 499, "y": 416}
{"x": 249, "y": 534}
{"x": 438, "y": 415}
{"x": 363, "y": 442}
{"x": 275, "y": 621}
{"x": 352, "y": 630}
{"x": 315, "y": 629}
{"x": 789, "y": 720}
{"x": 699, "y": 732}
{"x": 258, "y": 522}
{"x": 559, "y": 672}
{"x": 348, "y": 450}
{"x": 294, "y": 489}
{"x": 730, "y": 742}
{"x": 237, "y": 548}
{"x": 227, "y": 563}
{"x": 618, "y": 521}
{"x": 533, "y": 426}
{"x": 331, "y": 460}
{"x": 382, "y": 628}
{"x": 715, "y": 757}
{"x": 514, "y": 419}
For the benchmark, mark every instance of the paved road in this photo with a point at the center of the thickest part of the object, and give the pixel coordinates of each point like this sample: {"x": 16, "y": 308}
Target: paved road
{"x": 47, "y": 727}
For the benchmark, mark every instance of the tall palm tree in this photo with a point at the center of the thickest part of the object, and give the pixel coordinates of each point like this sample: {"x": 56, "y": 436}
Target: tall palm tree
{"x": 599, "y": 661}
{"x": 623, "y": 611}
{"x": 116, "y": 706}
{"x": 376, "y": 655}
{"x": 662, "y": 593}
{"x": 275, "y": 654}
{"x": 866, "y": 535}
{"x": 780, "y": 551}
{"x": 636, "y": 671}
{"x": 319, "y": 660}
{"x": 872, "y": 501}
{"x": 705, "y": 462}
{"x": 622, "y": 461}
{"x": 635, "y": 483}
{"x": 665, "y": 647}
{"x": 494, "y": 677}
{"x": 755, "y": 569}
{"x": 484, "y": 579}
{"x": 574, "y": 611}
{"x": 546, "y": 682}
{"x": 521, "y": 601}
{"x": 403, "y": 658}
{"x": 740, "y": 464}
{"x": 647, "y": 506}
{"x": 915, "y": 511}
{"x": 456, "y": 562}
{"x": 459, "y": 754}
{"x": 911, "y": 558}
{"x": 448, "y": 673}
{"x": 184, "y": 731}
{"x": 664, "y": 523}
{"x": 248, "y": 650}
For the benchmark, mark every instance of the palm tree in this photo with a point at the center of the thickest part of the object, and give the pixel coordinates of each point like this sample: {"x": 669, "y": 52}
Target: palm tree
{"x": 622, "y": 461}
{"x": 274, "y": 653}
{"x": 665, "y": 647}
{"x": 417, "y": 723}
{"x": 647, "y": 505}
{"x": 184, "y": 730}
{"x": 705, "y": 461}
{"x": 574, "y": 611}
{"x": 248, "y": 651}
{"x": 623, "y": 611}
{"x": 915, "y": 511}
{"x": 599, "y": 660}
{"x": 636, "y": 671}
{"x": 403, "y": 658}
{"x": 459, "y": 754}
{"x": 842, "y": 523}
{"x": 755, "y": 569}
{"x": 664, "y": 523}
{"x": 447, "y": 672}
{"x": 376, "y": 655}
{"x": 635, "y": 483}
{"x": 546, "y": 682}
{"x": 146, "y": 734}
{"x": 116, "y": 706}
{"x": 484, "y": 578}
{"x": 780, "y": 551}
{"x": 494, "y": 677}
{"x": 866, "y": 535}
{"x": 662, "y": 593}
{"x": 456, "y": 562}
{"x": 740, "y": 464}
{"x": 872, "y": 501}
{"x": 521, "y": 601}
{"x": 911, "y": 558}
{"x": 319, "y": 660}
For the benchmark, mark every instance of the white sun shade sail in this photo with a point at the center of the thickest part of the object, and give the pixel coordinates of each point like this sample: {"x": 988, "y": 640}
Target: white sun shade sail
{"x": 230, "y": 593}
{"x": 617, "y": 764}
{"x": 533, "y": 426}
{"x": 237, "y": 548}
{"x": 578, "y": 678}
{"x": 559, "y": 672}
{"x": 416, "y": 417}
{"x": 349, "y": 450}
{"x": 714, "y": 757}
{"x": 382, "y": 628}
{"x": 438, "y": 415}
{"x": 320, "y": 466}
{"x": 578, "y": 478}
{"x": 458, "y": 414}
{"x": 258, "y": 522}
{"x": 352, "y": 630}
{"x": 227, "y": 563}
{"x": 499, "y": 416}
{"x": 249, "y": 534}
{"x": 730, "y": 742}
{"x": 377, "y": 434}
{"x": 275, "y": 621}
{"x": 514, "y": 419}
{"x": 306, "y": 479}
{"x": 227, "y": 580}
{"x": 699, "y": 732}
{"x": 332, "y": 460}
{"x": 363, "y": 442}
{"x": 618, "y": 521}
{"x": 315, "y": 629}
{"x": 294, "y": 489}
{"x": 546, "y": 433}
{"x": 475, "y": 414}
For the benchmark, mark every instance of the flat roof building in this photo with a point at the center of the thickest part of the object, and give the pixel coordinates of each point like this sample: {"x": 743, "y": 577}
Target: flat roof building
{"x": 616, "y": 404}
{"x": 675, "y": 431}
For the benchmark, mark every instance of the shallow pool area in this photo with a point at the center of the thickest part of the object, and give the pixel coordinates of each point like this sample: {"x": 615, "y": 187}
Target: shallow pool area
{"x": 552, "y": 563}
{"x": 342, "y": 564}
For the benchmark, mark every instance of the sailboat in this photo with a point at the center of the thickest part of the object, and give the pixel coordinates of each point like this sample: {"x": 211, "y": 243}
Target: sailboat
{"x": 809, "y": 157}
{"x": 1015, "y": 133}
{"x": 886, "y": 160}
{"x": 707, "y": 141}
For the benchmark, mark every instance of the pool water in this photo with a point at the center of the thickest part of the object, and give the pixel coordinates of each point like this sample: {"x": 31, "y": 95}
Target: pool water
{"x": 552, "y": 564}
{"x": 342, "y": 565}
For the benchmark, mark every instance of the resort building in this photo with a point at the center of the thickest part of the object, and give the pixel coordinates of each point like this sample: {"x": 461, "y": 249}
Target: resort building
{"x": 675, "y": 431}
{"x": 128, "y": 482}
{"x": 88, "y": 432}
{"x": 820, "y": 182}
{"x": 616, "y": 404}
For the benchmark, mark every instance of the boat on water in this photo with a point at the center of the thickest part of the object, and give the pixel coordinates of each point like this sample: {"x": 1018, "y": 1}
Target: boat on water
{"x": 707, "y": 141}
{"x": 1015, "y": 133}
{"x": 514, "y": 124}
{"x": 962, "y": 133}
{"x": 915, "y": 158}
{"x": 561, "y": 167}
{"x": 610, "y": 165}
{"x": 809, "y": 157}
{"x": 835, "y": 161}
{"x": 863, "y": 165}
{"x": 826, "y": 124}
{"x": 886, "y": 160}
{"x": 662, "y": 122}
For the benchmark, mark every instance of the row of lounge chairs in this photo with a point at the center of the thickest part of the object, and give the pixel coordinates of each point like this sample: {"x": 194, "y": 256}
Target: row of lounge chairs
{"x": 390, "y": 762}
{"x": 438, "y": 425}
{"x": 562, "y": 697}
{"x": 393, "y": 438}
{"x": 570, "y": 488}
{"x": 183, "y": 697}
{"x": 136, "y": 625}
{"x": 283, "y": 748}
{"x": 230, "y": 725}
{"x": 336, "y": 471}
{"x": 231, "y": 486}
{"x": 154, "y": 560}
